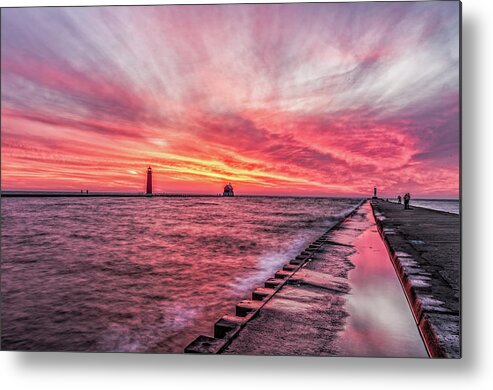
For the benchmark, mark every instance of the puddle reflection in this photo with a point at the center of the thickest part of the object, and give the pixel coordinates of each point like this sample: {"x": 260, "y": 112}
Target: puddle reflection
{"x": 380, "y": 322}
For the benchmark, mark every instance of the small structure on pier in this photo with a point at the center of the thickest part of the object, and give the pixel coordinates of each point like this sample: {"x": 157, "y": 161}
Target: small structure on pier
{"x": 149, "y": 181}
{"x": 374, "y": 192}
{"x": 228, "y": 190}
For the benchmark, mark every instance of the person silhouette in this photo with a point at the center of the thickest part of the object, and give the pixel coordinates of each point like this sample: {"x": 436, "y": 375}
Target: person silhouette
{"x": 407, "y": 198}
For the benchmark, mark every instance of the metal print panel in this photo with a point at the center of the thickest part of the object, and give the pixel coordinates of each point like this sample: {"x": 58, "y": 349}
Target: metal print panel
{"x": 275, "y": 179}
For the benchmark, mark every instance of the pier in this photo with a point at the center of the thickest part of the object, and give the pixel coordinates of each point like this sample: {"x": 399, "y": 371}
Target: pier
{"x": 424, "y": 246}
{"x": 362, "y": 289}
{"x": 41, "y": 194}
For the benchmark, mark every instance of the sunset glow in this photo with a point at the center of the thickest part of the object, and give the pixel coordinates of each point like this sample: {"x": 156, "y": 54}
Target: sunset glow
{"x": 293, "y": 99}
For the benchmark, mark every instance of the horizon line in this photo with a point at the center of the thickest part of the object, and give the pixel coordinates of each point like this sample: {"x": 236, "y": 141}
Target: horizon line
{"x": 170, "y": 194}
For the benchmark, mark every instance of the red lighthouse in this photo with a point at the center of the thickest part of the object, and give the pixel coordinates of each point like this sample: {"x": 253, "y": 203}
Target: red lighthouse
{"x": 149, "y": 181}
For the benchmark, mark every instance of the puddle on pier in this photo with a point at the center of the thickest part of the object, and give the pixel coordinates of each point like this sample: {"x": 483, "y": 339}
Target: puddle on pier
{"x": 380, "y": 322}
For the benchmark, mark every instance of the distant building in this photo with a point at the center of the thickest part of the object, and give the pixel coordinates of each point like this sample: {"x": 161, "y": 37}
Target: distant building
{"x": 228, "y": 190}
{"x": 149, "y": 181}
{"x": 375, "y": 192}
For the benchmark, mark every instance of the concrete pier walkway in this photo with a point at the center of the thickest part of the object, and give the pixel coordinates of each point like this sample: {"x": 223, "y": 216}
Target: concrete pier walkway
{"x": 347, "y": 301}
{"x": 425, "y": 248}
{"x": 340, "y": 297}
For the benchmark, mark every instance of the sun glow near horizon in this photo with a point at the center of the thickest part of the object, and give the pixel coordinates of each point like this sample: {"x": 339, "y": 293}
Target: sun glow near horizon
{"x": 300, "y": 99}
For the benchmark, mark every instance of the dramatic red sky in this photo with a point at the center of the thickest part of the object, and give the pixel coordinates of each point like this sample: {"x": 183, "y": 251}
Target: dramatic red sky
{"x": 315, "y": 99}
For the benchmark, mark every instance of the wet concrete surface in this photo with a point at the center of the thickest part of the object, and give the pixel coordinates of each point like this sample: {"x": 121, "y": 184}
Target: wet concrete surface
{"x": 346, "y": 301}
{"x": 425, "y": 249}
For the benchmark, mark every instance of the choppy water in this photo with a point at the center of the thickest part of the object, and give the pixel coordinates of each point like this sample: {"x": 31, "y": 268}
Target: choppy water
{"x": 140, "y": 274}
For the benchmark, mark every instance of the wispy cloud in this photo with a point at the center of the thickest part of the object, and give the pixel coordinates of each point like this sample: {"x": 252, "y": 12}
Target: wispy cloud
{"x": 286, "y": 98}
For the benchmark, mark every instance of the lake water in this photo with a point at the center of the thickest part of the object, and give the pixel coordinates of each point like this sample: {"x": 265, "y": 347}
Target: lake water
{"x": 142, "y": 274}
{"x": 448, "y": 205}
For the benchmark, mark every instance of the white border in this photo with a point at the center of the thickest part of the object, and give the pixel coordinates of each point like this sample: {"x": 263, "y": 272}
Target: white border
{"x": 127, "y": 371}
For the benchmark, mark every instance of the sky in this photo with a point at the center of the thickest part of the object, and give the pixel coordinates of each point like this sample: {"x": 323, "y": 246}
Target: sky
{"x": 278, "y": 99}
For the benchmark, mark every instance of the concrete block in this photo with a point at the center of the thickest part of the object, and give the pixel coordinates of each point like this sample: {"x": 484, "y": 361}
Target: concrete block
{"x": 247, "y": 306}
{"x": 298, "y": 260}
{"x": 273, "y": 283}
{"x": 282, "y": 274}
{"x": 226, "y": 326}
{"x": 313, "y": 248}
{"x": 205, "y": 345}
{"x": 259, "y": 294}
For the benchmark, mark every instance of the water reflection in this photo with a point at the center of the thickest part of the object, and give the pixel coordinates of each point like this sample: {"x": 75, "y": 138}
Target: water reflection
{"x": 380, "y": 322}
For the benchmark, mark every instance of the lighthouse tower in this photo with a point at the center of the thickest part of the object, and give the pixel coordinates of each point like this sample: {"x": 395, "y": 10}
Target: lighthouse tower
{"x": 149, "y": 181}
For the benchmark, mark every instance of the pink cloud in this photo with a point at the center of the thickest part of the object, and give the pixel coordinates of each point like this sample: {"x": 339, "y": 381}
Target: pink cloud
{"x": 325, "y": 99}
